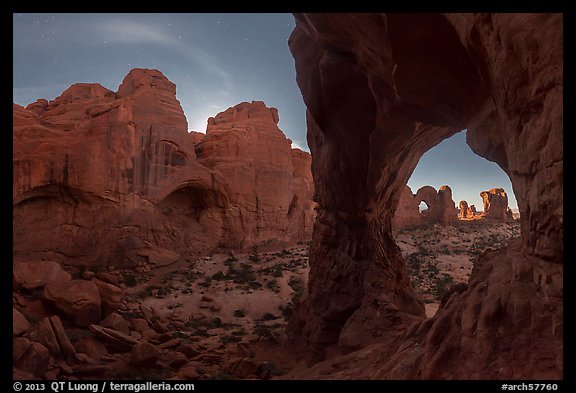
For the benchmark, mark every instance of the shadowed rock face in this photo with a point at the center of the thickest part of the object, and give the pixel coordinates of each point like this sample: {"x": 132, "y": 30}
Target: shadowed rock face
{"x": 381, "y": 90}
{"x": 103, "y": 177}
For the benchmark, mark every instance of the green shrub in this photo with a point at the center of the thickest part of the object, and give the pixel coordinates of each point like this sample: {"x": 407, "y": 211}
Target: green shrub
{"x": 129, "y": 280}
{"x": 219, "y": 276}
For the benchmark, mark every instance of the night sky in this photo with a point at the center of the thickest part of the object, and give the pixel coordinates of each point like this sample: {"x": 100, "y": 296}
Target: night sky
{"x": 216, "y": 61}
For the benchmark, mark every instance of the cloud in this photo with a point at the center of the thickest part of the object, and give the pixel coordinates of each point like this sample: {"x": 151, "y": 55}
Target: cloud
{"x": 117, "y": 30}
{"x": 125, "y": 31}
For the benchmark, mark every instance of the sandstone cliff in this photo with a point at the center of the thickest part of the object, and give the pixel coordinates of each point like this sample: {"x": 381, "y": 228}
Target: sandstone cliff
{"x": 104, "y": 177}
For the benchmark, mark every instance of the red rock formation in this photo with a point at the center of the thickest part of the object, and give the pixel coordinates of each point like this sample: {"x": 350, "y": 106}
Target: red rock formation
{"x": 109, "y": 177}
{"x": 245, "y": 144}
{"x": 440, "y": 210}
{"x": 467, "y": 212}
{"x": 463, "y": 210}
{"x": 495, "y": 203}
{"x": 447, "y": 209}
{"x": 376, "y": 90}
{"x": 407, "y": 212}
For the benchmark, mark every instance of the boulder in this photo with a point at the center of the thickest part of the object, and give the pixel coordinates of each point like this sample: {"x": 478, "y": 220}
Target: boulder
{"x": 77, "y": 300}
{"x": 144, "y": 354}
{"x": 92, "y": 347}
{"x": 20, "y": 324}
{"x": 241, "y": 367}
{"x": 52, "y": 335}
{"x": 34, "y": 360}
{"x": 116, "y": 322}
{"x": 114, "y": 339}
{"x": 110, "y": 297}
{"x": 37, "y": 274}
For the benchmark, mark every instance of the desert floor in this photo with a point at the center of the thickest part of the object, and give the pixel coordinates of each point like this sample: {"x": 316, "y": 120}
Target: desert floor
{"x": 223, "y": 316}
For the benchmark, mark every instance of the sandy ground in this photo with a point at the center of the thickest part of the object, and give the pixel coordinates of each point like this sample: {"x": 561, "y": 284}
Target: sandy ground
{"x": 227, "y": 301}
{"x": 438, "y": 256}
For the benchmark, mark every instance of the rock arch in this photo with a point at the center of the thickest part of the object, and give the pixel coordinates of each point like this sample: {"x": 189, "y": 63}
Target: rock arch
{"x": 381, "y": 90}
{"x": 440, "y": 207}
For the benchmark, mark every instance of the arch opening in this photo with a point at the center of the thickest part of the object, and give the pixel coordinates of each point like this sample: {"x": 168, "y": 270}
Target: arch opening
{"x": 403, "y": 93}
{"x": 423, "y": 207}
{"x": 440, "y": 244}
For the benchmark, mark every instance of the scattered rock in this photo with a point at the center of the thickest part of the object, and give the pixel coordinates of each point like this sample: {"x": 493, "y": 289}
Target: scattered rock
{"x": 177, "y": 359}
{"x": 190, "y": 350}
{"x": 66, "y": 368}
{"x": 63, "y": 341}
{"x": 35, "y": 360}
{"x": 136, "y": 335}
{"x": 88, "y": 275}
{"x": 110, "y": 297}
{"x": 149, "y": 334}
{"x": 51, "y": 375}
{"x": 190, "y": 372}
{"x": 241, "y": 367}
{"x": 108, "y": 278}
{"x": 51, "y": 334}
{"x": 21, "y": 375}
{"x": 77, "y": 300}
{"x": 139, "y": 324}
{"x": 149, "y": 312}
{"x": 45, "y": 335}
{"x": 91, "y": 370}
{"x": 20, "y": 324}
{"x": 92, "y": 347}
{"x": 144, "y": 354}
{"x": 172, "y": 343}
{"x": 37, "y": 274}
{"x": 159, "y": 326}
{"x": 19, "y": 347}
{"x": 116, "y": 322}
{"x": 114, "y": 339}
{"x": 83, "y": 358}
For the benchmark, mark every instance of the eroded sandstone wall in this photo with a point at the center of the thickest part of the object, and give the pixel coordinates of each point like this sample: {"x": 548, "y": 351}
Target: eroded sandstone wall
{"x": 381, "y": 90}
{"x": 103, "y": 177}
